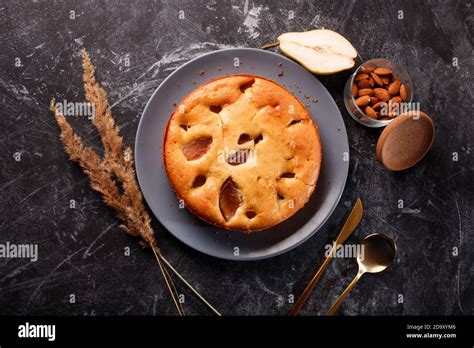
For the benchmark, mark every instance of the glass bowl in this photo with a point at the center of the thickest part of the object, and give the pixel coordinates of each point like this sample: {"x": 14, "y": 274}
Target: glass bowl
{"x": 356, "y": 112}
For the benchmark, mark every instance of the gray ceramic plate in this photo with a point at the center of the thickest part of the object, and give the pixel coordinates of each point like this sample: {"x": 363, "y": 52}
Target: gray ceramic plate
{"x": 212, "y": 240}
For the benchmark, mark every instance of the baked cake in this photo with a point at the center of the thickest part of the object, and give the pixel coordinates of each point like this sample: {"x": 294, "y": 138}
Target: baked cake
{"x": 242, "y": 153}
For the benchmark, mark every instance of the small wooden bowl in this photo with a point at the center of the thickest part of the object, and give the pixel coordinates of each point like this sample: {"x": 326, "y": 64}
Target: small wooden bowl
{"x": 405, "y": 141}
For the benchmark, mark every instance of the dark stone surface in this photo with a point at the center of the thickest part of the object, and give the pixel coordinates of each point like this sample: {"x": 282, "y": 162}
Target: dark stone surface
{"x": 81, "y": 250}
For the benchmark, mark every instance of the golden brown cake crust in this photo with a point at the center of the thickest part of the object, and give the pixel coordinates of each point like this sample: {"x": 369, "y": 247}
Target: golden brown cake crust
{"x": 235, "y": 119}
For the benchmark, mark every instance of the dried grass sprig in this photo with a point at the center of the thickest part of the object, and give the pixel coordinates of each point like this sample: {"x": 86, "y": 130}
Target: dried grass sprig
{"x": 101, "y": 174}
{"x": 114, "y": 176}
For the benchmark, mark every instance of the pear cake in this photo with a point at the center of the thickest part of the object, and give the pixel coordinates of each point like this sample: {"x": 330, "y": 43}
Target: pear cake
{"x": 242, "y": 153}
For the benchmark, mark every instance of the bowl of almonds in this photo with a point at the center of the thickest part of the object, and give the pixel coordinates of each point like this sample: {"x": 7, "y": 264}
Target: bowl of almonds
{"x": 377, "y": 92}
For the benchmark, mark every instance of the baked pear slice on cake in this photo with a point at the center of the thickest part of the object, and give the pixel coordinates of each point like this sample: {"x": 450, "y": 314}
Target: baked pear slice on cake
{"x": 321, "y": 51}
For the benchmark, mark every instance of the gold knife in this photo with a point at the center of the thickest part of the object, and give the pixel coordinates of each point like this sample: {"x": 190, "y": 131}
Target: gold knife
{"x": 350, "y": 225}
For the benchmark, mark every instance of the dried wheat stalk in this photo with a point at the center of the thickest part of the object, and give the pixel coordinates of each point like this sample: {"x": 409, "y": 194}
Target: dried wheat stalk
{"x": 115, "y": 167}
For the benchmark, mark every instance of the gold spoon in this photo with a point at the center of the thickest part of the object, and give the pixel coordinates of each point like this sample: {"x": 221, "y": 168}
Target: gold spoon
{"x": 377, "y": 253}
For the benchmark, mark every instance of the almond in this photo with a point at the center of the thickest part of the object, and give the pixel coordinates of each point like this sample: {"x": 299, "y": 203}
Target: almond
{"x": 355, "y": 90}
{"x": 383, "y": 71}
{"x": 366, "y": 69}
{"x": 377, "y": 79}
{"x": 403, "y": 92}
{"x": 396, "y": 100}
{"x": 359, "y": 77}
{"x": 378, "y": 105}
{"x": 371, "y": 81}
{"x": 365, "y": 91}
{"x": 363, "y": 101}
{"x": 363, "y": 84}
{"x": 381, "y": 94}
{"x": 394, "y": 87}
{"x": 373, "y": 101}
{"x": 385, "y": 80}
{"x": 370, "y": 112}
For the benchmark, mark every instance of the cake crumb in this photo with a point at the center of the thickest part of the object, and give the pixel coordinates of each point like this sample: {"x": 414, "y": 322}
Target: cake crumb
{"x": 201, "y": 72}
{"x": 280, "y": 64}
{"x": 281, "y": 73}
{"x": 315, "y": 99}
{"x": 219, "y": 69}
{"x": 306, "y": 96}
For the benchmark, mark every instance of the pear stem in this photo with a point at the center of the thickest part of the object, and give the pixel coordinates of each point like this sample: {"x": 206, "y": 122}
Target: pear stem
{"x": 266, "y": 47}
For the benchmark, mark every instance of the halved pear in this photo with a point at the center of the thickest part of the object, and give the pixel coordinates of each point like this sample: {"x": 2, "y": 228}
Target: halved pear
{"x": 321, "y": 51}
